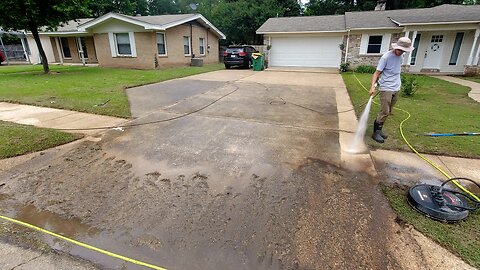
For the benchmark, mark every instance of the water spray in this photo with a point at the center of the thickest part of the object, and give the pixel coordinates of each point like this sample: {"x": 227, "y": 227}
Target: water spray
{"x": 358, "y": 144}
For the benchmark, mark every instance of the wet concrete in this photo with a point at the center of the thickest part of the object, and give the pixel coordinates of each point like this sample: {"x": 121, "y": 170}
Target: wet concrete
{"x": 246, "y": 183}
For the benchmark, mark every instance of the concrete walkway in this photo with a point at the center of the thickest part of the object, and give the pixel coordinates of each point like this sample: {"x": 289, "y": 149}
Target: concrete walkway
{"x": 56, "y": 118}
{"x": 474, "y": 93}
{"x": 15, "y": 257}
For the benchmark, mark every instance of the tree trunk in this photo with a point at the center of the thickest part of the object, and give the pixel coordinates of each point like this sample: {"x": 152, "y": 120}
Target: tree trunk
{"x": 43, "y": 57}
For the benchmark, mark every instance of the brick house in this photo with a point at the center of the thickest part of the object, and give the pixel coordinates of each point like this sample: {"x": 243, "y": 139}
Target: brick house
{"x": 446, "y": 39}
{"x": 140, "y": 42}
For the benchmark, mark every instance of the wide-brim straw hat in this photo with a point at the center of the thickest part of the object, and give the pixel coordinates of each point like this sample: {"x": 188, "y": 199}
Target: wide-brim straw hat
{"x": 404, "y": 44}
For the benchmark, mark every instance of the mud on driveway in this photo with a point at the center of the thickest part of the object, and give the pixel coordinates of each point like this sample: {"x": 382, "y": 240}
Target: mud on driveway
{"x": 250, "y": 182}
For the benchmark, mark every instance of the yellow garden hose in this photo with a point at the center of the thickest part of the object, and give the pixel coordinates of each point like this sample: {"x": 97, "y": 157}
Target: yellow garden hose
{"x": 416, "y": 152}
{"x": 78, "y": 243}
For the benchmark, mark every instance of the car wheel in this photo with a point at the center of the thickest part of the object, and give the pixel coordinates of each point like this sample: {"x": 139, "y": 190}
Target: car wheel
{"x": 227, "y": 66}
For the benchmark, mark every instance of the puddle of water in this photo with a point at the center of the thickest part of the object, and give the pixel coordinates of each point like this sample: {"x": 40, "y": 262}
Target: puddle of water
{"x": 45, "y": 219}
{"x": 203, "y": 256}
{"x": 76, "y": 230}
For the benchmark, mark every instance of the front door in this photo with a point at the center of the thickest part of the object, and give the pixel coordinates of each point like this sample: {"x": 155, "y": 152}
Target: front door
{"x": 433, "y": 55}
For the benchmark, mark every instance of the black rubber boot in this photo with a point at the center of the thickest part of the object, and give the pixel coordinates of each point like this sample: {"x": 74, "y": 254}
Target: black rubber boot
{"x": 380, "y": 126}
{"x": 376, "y": 133}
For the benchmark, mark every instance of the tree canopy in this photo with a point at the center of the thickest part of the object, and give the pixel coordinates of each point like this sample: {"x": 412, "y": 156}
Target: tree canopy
{"x": 32, "y": 15}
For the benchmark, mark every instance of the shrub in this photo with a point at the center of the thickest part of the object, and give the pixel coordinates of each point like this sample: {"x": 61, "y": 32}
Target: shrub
{"x": 365, "y": 69}
{"x": 409, "y": 85}
{"x": 344, "y": 67}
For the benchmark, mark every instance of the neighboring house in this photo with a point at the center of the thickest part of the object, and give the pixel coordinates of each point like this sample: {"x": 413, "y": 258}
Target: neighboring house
{"x": 141, "y": 42}
{"x": 446, "y": 39}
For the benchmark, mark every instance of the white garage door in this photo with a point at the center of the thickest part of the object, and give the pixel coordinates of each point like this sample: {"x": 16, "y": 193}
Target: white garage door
{"x": 305, "y": 52}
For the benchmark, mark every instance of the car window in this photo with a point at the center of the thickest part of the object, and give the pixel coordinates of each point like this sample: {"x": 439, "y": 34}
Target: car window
{"x": 234, "y": 50}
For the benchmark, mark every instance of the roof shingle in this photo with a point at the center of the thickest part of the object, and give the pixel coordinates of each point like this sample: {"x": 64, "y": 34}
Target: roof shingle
{"x": 372, "y": 19}
{"x": 304, "y": 24}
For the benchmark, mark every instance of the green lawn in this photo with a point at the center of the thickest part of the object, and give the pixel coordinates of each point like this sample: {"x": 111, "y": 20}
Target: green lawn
{"x": 438, "y": 106}
{"x": 80, "y": 88}
{"x": 461, "y": 238}
{"x": 473, "y": 79}
{"x": 75, "y": 88}
{"x": 18, "y": 139}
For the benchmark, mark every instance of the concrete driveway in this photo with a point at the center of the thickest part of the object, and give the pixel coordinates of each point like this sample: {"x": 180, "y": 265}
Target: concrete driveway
{"x": 250, "y": 131}
{"x": 254, "y": 179}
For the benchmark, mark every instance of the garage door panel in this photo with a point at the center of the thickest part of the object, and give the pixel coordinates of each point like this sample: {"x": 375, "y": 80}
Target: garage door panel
{"x": 306, "y": 51}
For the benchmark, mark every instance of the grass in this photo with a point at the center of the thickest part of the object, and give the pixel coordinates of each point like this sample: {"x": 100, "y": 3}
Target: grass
{"x": 460, "y": 238}
{"x": 473, "y": 79}
{"x": 74, "y": 88}
{"x": 438, "y": 106}
{"x": 18, "y": 139}
{"x": 80, "y": 88}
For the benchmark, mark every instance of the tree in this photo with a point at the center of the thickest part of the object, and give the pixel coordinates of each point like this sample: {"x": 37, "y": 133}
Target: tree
{"x": 239, "y": 19}
{"x": 32, "y": 15}
{"x": 101, "y": 7}
{"x": 160, "y": 7}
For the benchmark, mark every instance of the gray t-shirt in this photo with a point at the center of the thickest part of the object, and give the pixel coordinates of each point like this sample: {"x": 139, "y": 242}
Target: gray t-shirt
{"x": 390, "y": 65}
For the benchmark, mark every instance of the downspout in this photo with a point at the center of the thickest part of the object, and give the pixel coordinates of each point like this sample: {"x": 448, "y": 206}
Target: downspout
{"x": 269, "y": 44}
{"x": 208, "y": 44}
{"x": 191, "y": 40}
{"x": 346, "y": 48}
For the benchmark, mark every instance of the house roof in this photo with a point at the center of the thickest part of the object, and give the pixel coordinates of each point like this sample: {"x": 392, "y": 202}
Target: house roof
{"x": 373, "y": 19}
{"x": 401, "y": 17}
{"x": 332, "y": 23}
{"x": 439, "y": 14}
{"x": 72, "y": 25}
{"x": 162, "y": 19}
{"x": 160, "y": 22}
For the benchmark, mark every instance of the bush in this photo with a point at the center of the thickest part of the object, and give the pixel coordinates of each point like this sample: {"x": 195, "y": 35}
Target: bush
{"x": 344, "y": 67}
{"x": 365, "y": 69}
{"x": 409, "y": 85}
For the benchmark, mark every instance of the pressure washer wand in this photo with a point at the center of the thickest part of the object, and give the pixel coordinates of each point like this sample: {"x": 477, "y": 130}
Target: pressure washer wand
{"x": 451, "y": 134}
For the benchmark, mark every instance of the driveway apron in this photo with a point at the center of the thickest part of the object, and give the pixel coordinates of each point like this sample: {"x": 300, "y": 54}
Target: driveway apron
{"x": 251, "y": 180}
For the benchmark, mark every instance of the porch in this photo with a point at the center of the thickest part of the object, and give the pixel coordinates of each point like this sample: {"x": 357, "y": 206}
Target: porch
{"x": 74, "y": 49}
{"x": 448, "y": 49}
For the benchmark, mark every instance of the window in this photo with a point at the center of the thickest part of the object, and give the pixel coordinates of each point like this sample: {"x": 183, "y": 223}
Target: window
{"x": 202, "y": 46}
{"x": 162, "y": 49}
{"x": 123, "y": 44}
{"x": 456, "y": 49}
{"x": 437, "y": 38}
{"x": 65, "y": 48}
{"x": 416, "y": 43}
{"x": 186, "y": 45}
{"x": 84, "y": 47}
{"x": 374, "y": 44}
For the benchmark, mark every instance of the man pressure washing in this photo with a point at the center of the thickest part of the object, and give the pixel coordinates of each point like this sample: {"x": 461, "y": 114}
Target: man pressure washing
{"x": 388, "y": 70}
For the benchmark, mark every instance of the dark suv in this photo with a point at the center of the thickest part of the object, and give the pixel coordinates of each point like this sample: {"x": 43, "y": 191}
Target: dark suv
{"x": 238, "y": 56}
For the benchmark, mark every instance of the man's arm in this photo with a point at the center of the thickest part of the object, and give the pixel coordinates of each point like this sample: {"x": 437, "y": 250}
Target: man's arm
{"x": 375, "y": 76}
